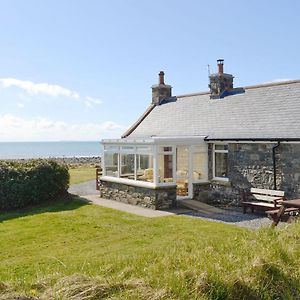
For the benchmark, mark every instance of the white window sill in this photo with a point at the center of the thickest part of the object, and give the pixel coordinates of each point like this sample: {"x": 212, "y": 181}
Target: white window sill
{"x": 224, "y": 179}
{"x": 221, "y": 181}
{"x": 145, "y": 184}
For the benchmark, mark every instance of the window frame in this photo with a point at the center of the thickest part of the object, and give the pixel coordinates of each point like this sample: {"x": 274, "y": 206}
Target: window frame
{"x": 225, "y": 179}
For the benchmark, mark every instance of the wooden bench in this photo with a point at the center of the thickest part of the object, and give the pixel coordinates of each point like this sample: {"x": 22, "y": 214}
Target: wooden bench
{"x": 263, "y": 199}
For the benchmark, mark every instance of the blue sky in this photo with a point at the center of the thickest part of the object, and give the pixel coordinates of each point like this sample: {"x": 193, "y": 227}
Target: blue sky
{"x": 82, "y": 70}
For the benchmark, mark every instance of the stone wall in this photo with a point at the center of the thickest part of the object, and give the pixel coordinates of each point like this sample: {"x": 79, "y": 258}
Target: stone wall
{"x": 288, "y": 169}
{"x": 251, "y": 165}
{"x": 158, "y": 198}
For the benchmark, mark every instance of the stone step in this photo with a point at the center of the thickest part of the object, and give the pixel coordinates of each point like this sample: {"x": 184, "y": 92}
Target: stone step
{"x": 200, "y": 206}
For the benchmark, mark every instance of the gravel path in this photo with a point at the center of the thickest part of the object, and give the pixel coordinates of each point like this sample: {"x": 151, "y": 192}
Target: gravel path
{"x": 250, "y": 221}
{"x": 83, "y": 189}
{"x": 229, "y": 216}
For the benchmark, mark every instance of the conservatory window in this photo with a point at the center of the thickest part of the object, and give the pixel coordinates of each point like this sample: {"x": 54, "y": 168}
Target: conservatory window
{"x": 144, "y": 167}
{"x": 127, "y": 166}
{"x": 111, "y": 164}
{"x": 199, "y": 166}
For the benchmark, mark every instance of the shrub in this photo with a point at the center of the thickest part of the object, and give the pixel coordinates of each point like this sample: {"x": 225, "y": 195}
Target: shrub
{"x": 31, "y": 182}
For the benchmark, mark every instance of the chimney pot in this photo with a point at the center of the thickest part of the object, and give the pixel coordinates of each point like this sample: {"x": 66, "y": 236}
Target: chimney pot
{"x": 161, "y": 90}
{"x": 161, "y": 77}
{"x": 220, "y": 83}
{"x": 220, "y": 66}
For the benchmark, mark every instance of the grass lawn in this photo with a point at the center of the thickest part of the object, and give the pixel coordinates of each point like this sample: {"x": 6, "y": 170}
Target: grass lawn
{"x": 82, "y": 174}
{"x": 72, "y": 248}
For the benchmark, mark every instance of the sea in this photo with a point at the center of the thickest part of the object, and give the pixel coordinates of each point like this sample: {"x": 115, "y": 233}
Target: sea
{"x": 26, "y": 150}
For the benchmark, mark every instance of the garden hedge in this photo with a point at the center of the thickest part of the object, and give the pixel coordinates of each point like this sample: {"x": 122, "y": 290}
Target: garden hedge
{"x": 31, "y": 182}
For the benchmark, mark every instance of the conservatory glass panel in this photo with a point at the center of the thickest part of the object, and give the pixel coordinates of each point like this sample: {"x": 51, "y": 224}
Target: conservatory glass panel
{"x": 127, "y": 166}
{"x": 127, "y": 149}
{"x": 111, "y": 164}
{"x": 112, "y": 148}
{"x": 199, "y": 166}
{"x": 143, "y": 149}
{"x": 144, "y": 165}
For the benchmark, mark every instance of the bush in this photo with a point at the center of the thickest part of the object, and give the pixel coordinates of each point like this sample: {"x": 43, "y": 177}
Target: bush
{"x": 31, "y": 182}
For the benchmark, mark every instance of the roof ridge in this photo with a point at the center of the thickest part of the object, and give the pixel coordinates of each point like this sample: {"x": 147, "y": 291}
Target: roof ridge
{"x": 249, "y": 87}
{"x": 267, "y": 84}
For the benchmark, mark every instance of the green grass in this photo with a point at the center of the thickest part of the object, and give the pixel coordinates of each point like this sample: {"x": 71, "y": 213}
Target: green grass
{"x": 64, "y": 249}
{"x": 82, "y": 174}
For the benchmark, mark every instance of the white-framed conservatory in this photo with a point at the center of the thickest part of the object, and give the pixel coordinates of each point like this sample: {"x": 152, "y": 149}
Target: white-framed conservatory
{"x": 157, "y": 162}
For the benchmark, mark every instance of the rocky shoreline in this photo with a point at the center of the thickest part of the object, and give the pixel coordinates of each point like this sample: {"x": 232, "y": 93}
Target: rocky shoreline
{"x": 73, "y": 161}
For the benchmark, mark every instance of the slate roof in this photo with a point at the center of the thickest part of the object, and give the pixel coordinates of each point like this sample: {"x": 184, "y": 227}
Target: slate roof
{"x": 269, "y": 111}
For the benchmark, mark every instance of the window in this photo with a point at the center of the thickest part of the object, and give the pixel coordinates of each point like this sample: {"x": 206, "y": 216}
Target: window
{"x": 221, "y": 162}
{"x": 144, "y": 169}
{"x": 127, "y": 166}
{"x": 199, "y": 166}
{"x": 144, "y": 149}
{"x": 199, "y": 163}
{"x": 111, "y": 164}
{"x": 165, "y": 149}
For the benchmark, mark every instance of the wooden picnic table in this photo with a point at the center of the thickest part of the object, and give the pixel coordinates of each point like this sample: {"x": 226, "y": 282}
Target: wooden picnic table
{"x": 286, "y": 205}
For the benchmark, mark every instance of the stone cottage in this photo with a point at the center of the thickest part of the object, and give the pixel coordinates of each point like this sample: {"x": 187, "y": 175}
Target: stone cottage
{"x": 210, "y": 146}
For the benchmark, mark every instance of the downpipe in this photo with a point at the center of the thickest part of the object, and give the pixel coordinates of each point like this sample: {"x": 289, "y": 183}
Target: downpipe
{"x": 274, "y": 163}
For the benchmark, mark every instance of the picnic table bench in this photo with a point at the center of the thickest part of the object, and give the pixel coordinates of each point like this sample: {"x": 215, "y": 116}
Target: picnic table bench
{"x": 263, "y": 199}
{"x": 287, "y": 207}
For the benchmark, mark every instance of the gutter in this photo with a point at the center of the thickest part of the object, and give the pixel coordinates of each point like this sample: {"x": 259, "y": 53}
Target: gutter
{"x": 255, "y": 139}
{"x": 274, "y": 162}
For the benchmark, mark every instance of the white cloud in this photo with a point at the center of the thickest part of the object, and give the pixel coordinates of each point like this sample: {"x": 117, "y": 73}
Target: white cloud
{"x": 109, "y": 125}
{"x": 93, "y": 100}
{"x": 38, "y": 88}
{"x": 20, "y": 105}
{"x": 90, "y": 101}
{"x": 14, "y": 128}
{"x": 47, "y": 89}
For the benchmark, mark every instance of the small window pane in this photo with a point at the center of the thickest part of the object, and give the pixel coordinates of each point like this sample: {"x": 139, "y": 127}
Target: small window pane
{"x": 165, "y": 149}
{"x": 143, "y": 149}
{"x": 165, "y": 168}
{"x": 221, "y": 147}
{"x": 127, "y": 166}
{"x": 127, "y": 148}
{"x": 111, "y": 164}
{"x": 111, "y": 148}
{"x": 144, "y": 167}
{"x": 221, "y": 165}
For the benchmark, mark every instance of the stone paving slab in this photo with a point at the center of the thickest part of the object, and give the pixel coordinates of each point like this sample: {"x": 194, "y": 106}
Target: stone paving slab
{"x": 137, "y": 210}
{"x": 200, "y": 206}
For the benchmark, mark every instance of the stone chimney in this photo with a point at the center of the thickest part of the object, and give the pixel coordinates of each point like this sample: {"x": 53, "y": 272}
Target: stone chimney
{"x": 220, "y": 83}
{"x": 161, "y": 90}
